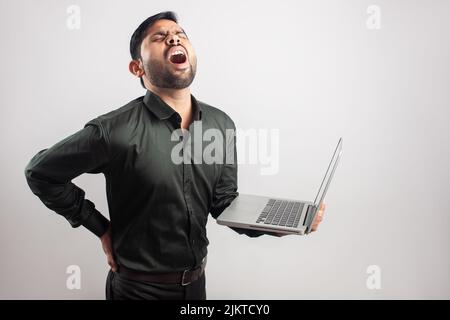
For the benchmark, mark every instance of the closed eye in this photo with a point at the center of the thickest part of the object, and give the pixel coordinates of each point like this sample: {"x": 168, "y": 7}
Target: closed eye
{"x": 181, "y": 34}
{"x": 159, "y": 36}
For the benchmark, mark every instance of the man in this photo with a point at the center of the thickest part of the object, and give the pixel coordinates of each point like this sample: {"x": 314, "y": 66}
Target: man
{"x": 155, "y": 241}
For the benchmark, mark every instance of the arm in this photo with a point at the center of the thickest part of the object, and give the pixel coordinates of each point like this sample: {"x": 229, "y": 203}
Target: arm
{"x": 226, "y": 191}
{"x": 50, "y": 171}
{"x": 226, "y": 188}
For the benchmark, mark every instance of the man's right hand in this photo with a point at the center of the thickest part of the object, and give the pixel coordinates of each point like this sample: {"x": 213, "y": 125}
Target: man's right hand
{"x": 107, "y": 248}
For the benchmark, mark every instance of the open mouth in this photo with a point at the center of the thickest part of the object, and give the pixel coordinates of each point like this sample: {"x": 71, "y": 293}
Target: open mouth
{"x": 177, "y": 57}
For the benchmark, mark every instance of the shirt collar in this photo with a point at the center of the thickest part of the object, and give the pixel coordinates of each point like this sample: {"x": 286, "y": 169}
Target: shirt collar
{"x": 163, "y": 111}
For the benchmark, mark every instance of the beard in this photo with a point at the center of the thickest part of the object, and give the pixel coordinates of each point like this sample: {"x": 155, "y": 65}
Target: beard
{"x": 161, "y": 76}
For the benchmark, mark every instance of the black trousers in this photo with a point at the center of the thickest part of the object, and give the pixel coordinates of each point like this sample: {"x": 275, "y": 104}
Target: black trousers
{"x": 120, "y": 288}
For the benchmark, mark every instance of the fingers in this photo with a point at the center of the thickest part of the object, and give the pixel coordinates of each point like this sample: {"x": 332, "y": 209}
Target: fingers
{"x": 111, "y": 262}
{"x": 107, "y": 249}
{"x": 315, "y": 225}
{"x": 319, "y": 217}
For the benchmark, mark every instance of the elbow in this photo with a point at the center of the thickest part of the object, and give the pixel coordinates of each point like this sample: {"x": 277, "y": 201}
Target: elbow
{"x": 29, "y": 174}
{"x": 31, "y": 167}
{"x": 28, "y": 171}
{"x": 31, "y": 170}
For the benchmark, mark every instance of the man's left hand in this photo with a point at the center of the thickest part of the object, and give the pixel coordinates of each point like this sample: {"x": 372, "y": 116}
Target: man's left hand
{"x": 316, "y": 222}
{"x": 318, "y": 218}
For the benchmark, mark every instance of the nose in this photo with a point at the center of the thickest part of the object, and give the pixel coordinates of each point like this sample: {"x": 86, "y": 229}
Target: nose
{"x": 173, "y": 40}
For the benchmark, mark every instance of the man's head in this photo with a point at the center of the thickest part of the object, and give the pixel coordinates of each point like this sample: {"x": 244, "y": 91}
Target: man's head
{"x": 162, "y": 54}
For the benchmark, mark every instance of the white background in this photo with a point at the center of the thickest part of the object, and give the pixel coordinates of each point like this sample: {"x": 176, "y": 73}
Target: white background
{"x": 311, "y": 69}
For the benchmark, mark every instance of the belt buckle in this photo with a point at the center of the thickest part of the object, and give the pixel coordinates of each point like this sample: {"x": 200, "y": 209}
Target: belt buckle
{"x": 183, "y": 277}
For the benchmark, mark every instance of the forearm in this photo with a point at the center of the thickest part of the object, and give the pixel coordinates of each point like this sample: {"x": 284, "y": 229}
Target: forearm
{"x": 66, "y": 199}
{"x": 50, "y": 172}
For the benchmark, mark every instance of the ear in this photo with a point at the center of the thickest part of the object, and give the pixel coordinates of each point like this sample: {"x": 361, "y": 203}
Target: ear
{"x": 136, "y": 68}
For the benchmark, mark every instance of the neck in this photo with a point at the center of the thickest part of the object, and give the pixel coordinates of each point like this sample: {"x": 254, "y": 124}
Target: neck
{"x": 178, "y": 99}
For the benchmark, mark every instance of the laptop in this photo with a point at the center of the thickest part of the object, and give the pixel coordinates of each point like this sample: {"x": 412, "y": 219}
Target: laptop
{"x": 284, "y": 216}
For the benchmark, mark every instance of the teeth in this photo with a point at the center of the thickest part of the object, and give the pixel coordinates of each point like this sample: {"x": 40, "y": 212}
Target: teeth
{"x": 177, "y": 52}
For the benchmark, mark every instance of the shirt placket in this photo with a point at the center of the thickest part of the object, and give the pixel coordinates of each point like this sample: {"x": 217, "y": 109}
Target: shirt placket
{"x": 187, "y": 190}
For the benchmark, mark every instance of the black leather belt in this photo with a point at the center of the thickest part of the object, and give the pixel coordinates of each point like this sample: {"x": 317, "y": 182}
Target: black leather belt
{"x": 181, "y": 277}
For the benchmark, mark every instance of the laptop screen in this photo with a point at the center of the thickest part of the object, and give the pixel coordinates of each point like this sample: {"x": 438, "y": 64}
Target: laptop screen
{"x": 328, "y": 175}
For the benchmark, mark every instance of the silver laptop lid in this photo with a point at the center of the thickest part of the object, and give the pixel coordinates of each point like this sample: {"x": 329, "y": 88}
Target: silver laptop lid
{"x": 323, "y": 187}
{"x": 328, "y": 175}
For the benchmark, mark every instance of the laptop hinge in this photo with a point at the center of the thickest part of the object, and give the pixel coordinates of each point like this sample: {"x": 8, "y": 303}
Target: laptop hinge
{"x": 308, "y": 219}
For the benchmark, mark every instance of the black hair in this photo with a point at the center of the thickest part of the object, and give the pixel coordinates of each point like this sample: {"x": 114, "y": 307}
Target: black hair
{"x": 140, "y": 33}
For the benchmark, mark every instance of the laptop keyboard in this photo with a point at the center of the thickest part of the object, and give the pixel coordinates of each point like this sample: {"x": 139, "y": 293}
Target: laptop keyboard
{"x": 281, "y": 213}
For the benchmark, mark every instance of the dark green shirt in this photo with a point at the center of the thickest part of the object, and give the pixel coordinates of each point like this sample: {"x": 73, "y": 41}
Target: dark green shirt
{"x": 158, "y": 209}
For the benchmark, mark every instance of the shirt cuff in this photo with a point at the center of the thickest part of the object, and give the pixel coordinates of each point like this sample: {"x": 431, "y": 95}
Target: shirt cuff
{"x": 249, "y": 232}
{"x": 96, "y": 222}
